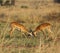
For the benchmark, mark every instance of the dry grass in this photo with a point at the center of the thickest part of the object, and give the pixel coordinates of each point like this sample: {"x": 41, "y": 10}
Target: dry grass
{"x": 30, "y": 17}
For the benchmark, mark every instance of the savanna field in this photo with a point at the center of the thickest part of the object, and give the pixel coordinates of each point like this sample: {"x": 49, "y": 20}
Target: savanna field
{"x": 30, "y": 14}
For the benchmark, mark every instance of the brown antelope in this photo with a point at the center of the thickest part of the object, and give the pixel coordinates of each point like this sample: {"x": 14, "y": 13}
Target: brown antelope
{"x": 15, "y": 25}
{"x": 42, "y": 27}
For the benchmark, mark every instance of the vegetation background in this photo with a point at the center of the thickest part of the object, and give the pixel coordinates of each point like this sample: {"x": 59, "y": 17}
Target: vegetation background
{"x": 30, "y": 13}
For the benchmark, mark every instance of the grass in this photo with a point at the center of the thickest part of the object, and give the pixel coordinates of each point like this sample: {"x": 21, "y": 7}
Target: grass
{"x": 31, "y": 18}
{"x": 23, "y": 41}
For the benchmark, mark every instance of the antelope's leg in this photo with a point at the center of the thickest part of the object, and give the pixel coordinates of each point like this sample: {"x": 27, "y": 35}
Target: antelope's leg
{"x": 11, "y": 31}
{"x": 51, "y": 34}
{"x": 44, "y": 34}
{"x": 49, "y": 29}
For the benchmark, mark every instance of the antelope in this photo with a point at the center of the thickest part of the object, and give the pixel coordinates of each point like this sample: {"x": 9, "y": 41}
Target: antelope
{"x": 15, "y": 25}
{"x": 42, "y": 27}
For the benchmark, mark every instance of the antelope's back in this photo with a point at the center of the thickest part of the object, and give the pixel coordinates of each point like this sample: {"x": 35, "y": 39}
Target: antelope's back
{"x": 19, "y": 26}
{"x": 42, "y": 26}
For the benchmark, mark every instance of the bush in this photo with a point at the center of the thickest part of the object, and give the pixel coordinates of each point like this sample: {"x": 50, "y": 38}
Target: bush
{"x": 24, "y": 6}
{"x": 57, "y": 1}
